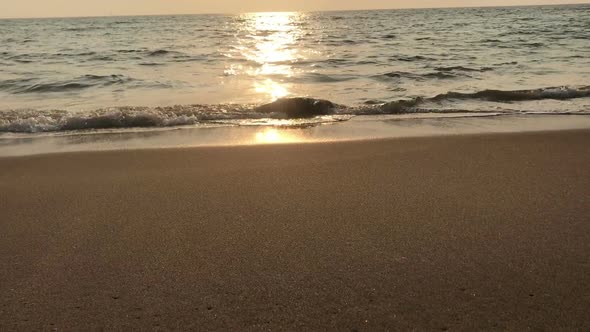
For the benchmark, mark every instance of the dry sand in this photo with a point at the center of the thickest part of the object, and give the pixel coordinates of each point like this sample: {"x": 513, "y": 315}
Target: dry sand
{"x": 463, "y": 232}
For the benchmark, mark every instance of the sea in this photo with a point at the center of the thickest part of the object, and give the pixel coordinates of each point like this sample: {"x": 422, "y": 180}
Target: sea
{"x": 72, "y": 75}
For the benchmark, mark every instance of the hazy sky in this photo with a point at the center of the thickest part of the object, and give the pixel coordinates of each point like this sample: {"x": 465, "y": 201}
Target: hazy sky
{"x": 44, "y": 8}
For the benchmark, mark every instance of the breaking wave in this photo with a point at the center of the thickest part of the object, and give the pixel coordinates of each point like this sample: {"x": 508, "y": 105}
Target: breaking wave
{"x": 35, "y": 121}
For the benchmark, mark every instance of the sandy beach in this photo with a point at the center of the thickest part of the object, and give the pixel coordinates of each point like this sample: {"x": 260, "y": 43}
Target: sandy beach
{"x": 486, "y": 232}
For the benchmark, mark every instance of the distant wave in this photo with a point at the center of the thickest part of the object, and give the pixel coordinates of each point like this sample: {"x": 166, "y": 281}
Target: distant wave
{"x": 119, "y": 55}
{"x": 80, "y": 54}
{"x": 441, "y": 73}
{"x": 28, "y": 85}
{"x": 82, "y": 28}
{"x": 411, "y": 58}
{"x": 35, "y": 121}
{"x": 420, "y": 76}
{"x": 151, "y": 64}
{"x": 159, "y": 53}
{"x": 462, "y": 68}
{"x": 131, "y": 51}
{"x": 319, "y": 78}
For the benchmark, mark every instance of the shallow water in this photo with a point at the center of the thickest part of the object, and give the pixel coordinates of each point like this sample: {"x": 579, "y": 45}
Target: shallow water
{"x": 358, "y": 128}
{"x": 122, "y": 72}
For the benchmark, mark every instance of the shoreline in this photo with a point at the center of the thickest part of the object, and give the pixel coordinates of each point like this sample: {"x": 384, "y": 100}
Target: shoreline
{"x": 236, "y": 147}
{"x": 357, "y": 129}
{"x": 441, "y": 233}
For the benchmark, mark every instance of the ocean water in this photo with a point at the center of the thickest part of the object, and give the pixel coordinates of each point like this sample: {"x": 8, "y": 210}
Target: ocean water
{"x": 195, "y": 70}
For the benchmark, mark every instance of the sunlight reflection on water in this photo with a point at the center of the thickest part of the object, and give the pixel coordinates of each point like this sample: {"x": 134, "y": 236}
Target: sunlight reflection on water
{"x": 270, "y": 40}
{"x": 275, "y": 136}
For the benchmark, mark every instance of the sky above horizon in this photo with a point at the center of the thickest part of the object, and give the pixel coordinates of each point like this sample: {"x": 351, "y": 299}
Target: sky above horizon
{"x": 62, "y": 8}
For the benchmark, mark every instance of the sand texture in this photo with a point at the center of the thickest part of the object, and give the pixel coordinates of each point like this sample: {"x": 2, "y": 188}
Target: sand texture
{"x": 461, "y": 232}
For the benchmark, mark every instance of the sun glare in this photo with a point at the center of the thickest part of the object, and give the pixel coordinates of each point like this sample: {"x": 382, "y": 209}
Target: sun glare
{"x": 268, "y": 41}
{"x": 268, "y": 136}
{"x": 275, "y": 136}
{"x": 271, "y": 88}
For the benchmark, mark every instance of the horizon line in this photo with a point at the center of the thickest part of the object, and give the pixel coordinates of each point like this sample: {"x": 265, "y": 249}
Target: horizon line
{"x": 310, "y": 11}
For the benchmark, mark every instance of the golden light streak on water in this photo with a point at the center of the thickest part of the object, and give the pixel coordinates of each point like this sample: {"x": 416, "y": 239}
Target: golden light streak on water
{"x": 270, "y": 42}
{"x": 275, "y": 136}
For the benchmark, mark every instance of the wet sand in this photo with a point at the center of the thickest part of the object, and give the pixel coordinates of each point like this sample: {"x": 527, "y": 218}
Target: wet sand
{"x": 441, "y": 233}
